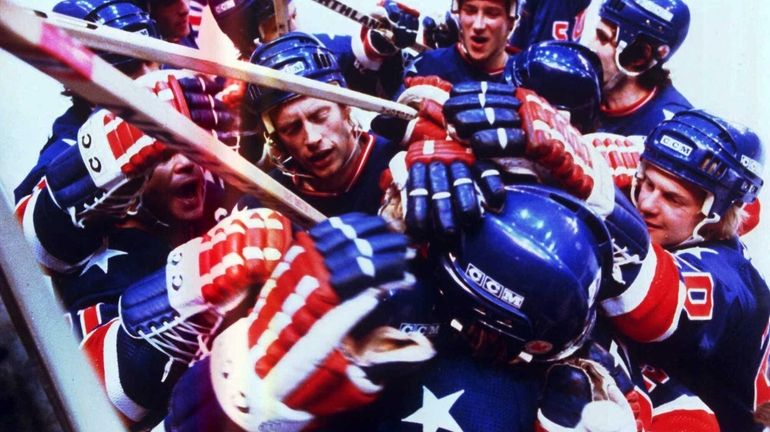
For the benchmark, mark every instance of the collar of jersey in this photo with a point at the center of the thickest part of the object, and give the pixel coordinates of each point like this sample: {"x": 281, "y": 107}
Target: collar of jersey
{"x": 624, "y": 111}
{"x": 368, "y": 146}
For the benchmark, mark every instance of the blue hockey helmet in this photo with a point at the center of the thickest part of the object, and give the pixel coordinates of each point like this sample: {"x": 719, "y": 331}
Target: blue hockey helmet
{"x": 240, "y": 20}
{"x": 530, "y": 273}
{"x": 120, "y": 14}
{"x": 296, "y": 53}
{"x": 566, "y": 74}
{"x": 512, "y": 6}
{"x": 725, "y": 159}
{"x": 663, "y": 23}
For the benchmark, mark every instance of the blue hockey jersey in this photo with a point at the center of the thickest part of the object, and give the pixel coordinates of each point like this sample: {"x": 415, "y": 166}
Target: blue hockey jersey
{"x": 702, "y": 313}
{"x": 542, "y": 20}
{"x": 641, "y": 118}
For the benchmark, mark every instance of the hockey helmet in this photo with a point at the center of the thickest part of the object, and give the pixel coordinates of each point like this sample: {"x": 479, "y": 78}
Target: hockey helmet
{"x": 725, "y": 159}
{"x": 566, "y": 74}
{"x": 296, "y": 53}
{"x": 663, "y": 23}
{"x": 530, "y": 273}
{"x": 120, "y": 14}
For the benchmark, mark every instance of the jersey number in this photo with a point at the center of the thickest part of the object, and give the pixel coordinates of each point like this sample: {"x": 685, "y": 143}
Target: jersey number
{"x": 699, "y": 298}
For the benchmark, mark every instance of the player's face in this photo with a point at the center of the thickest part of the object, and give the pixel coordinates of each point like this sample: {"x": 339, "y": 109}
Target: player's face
{"x": 176, "y": 190}
{"x": 268, "y": 30}
{"x": 670, "y": 206}
{"x": 484, "y": 29}
{"x": 604, "y": 45}
{"x": 318, "y": 135}
{"x": 173, "y": 18}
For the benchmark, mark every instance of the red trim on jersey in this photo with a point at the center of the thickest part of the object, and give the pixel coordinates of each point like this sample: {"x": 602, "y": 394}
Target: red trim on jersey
{"x": 90, "y": 318}
{"x": 624, "y": 111}
{"x": 655, "y": 315}
{"x": 363, "y": 158}
{"x": 21, "y": 206}
{"x": 93, "y": 346}
{"x": 685, "y": 420}
{"x": 464, "y": 56}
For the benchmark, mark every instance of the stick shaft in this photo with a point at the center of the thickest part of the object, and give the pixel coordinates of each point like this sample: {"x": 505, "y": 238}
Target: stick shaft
{"x": 147, "y": 48}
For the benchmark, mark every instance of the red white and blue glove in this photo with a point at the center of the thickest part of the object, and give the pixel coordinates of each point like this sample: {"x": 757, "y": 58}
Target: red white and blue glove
{"x": 440, "y": 32}
{"x": 291, "y": 361}
{"x": 404, "y": 22}
{"x": 207, "y": 276}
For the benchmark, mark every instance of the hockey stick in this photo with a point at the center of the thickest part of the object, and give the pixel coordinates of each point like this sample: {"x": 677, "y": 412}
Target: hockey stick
{"x": 281, "y": 16}
{"x": 147, "y": 48}
{"x": 57, "y": 54}
{"x": 364, "y": 19}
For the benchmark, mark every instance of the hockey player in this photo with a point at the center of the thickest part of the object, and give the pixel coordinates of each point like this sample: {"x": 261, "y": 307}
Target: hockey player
{"x": 106, "y": 215}
{"x": 634, "y": 39}
{"x": 711, "y": 305}
{"x": 174, "y": 20}
{"x": 114, "y": 13}
{"x": 480, "y": 55}
{"x": 686, "y": 287}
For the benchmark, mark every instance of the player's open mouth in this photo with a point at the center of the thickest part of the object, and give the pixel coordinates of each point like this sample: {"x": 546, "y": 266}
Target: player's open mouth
{"x": 189, "y": 191}
{"x": 321, "y": 158}
{"x": 478, "y": 42}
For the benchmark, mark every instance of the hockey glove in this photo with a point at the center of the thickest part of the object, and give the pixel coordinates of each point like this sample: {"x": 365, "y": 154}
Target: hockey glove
{"x": 291, "y": 361}
{"x": 427, "y": 94}
{"x": 403, "y": 21}
{"x": 621, "y": 154}
{"x": 440, "y": 32}
{"x": 588, "y": 394}
{"x": 178, "y": 309}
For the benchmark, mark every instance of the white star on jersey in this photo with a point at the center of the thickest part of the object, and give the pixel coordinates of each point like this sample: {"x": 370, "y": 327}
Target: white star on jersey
{"x": 434, "y": 413}
{"x": 101, "y": 259}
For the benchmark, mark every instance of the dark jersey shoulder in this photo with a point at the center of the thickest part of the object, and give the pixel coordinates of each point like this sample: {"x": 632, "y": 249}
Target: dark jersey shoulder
{"x": 664, "y": 103}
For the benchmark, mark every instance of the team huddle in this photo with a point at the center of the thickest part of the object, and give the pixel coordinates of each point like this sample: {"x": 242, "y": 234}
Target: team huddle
{"x": 551, "y": 244}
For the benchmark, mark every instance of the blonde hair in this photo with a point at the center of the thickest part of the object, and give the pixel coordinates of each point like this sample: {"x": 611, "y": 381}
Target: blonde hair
{"x": 728, "y": 225}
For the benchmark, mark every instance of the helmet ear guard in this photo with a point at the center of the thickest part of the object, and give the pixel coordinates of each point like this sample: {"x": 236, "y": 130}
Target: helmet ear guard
{"x": 660, "y": 23}
{"x": 541, "y": 300}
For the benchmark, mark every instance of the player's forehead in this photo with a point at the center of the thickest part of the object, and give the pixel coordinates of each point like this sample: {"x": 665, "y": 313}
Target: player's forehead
{"x": 484, "y": 5}
{"x": 672, "y": 184}
{"x": 298, "y": 107}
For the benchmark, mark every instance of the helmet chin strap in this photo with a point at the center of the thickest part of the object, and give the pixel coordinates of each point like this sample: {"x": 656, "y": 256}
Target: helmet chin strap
{"x": 696, "y": 237}
{"x": 621, "y": 47}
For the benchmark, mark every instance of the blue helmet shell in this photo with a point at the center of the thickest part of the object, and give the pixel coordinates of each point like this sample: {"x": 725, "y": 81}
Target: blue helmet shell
{"x": 120, "y": 14}
{"x": 531, "y": 272}
{"x": 720, "y": 157}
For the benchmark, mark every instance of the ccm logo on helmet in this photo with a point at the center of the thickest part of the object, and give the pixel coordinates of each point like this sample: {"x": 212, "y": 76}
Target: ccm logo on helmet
{"x": 226, "y": 6}
{"x": 656, "y": 9}
{"x": 751, "y": 165}
{"x": 493, "y": 287}
{"x": 676, "y": 145}
{"x": 294, "y": 68}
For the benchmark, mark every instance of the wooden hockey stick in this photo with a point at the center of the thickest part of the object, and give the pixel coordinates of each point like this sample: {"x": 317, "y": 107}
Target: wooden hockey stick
{"x": 364, "y": 19}
{"x": 147, "y": 48}
{"x": 57, "y": 54}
